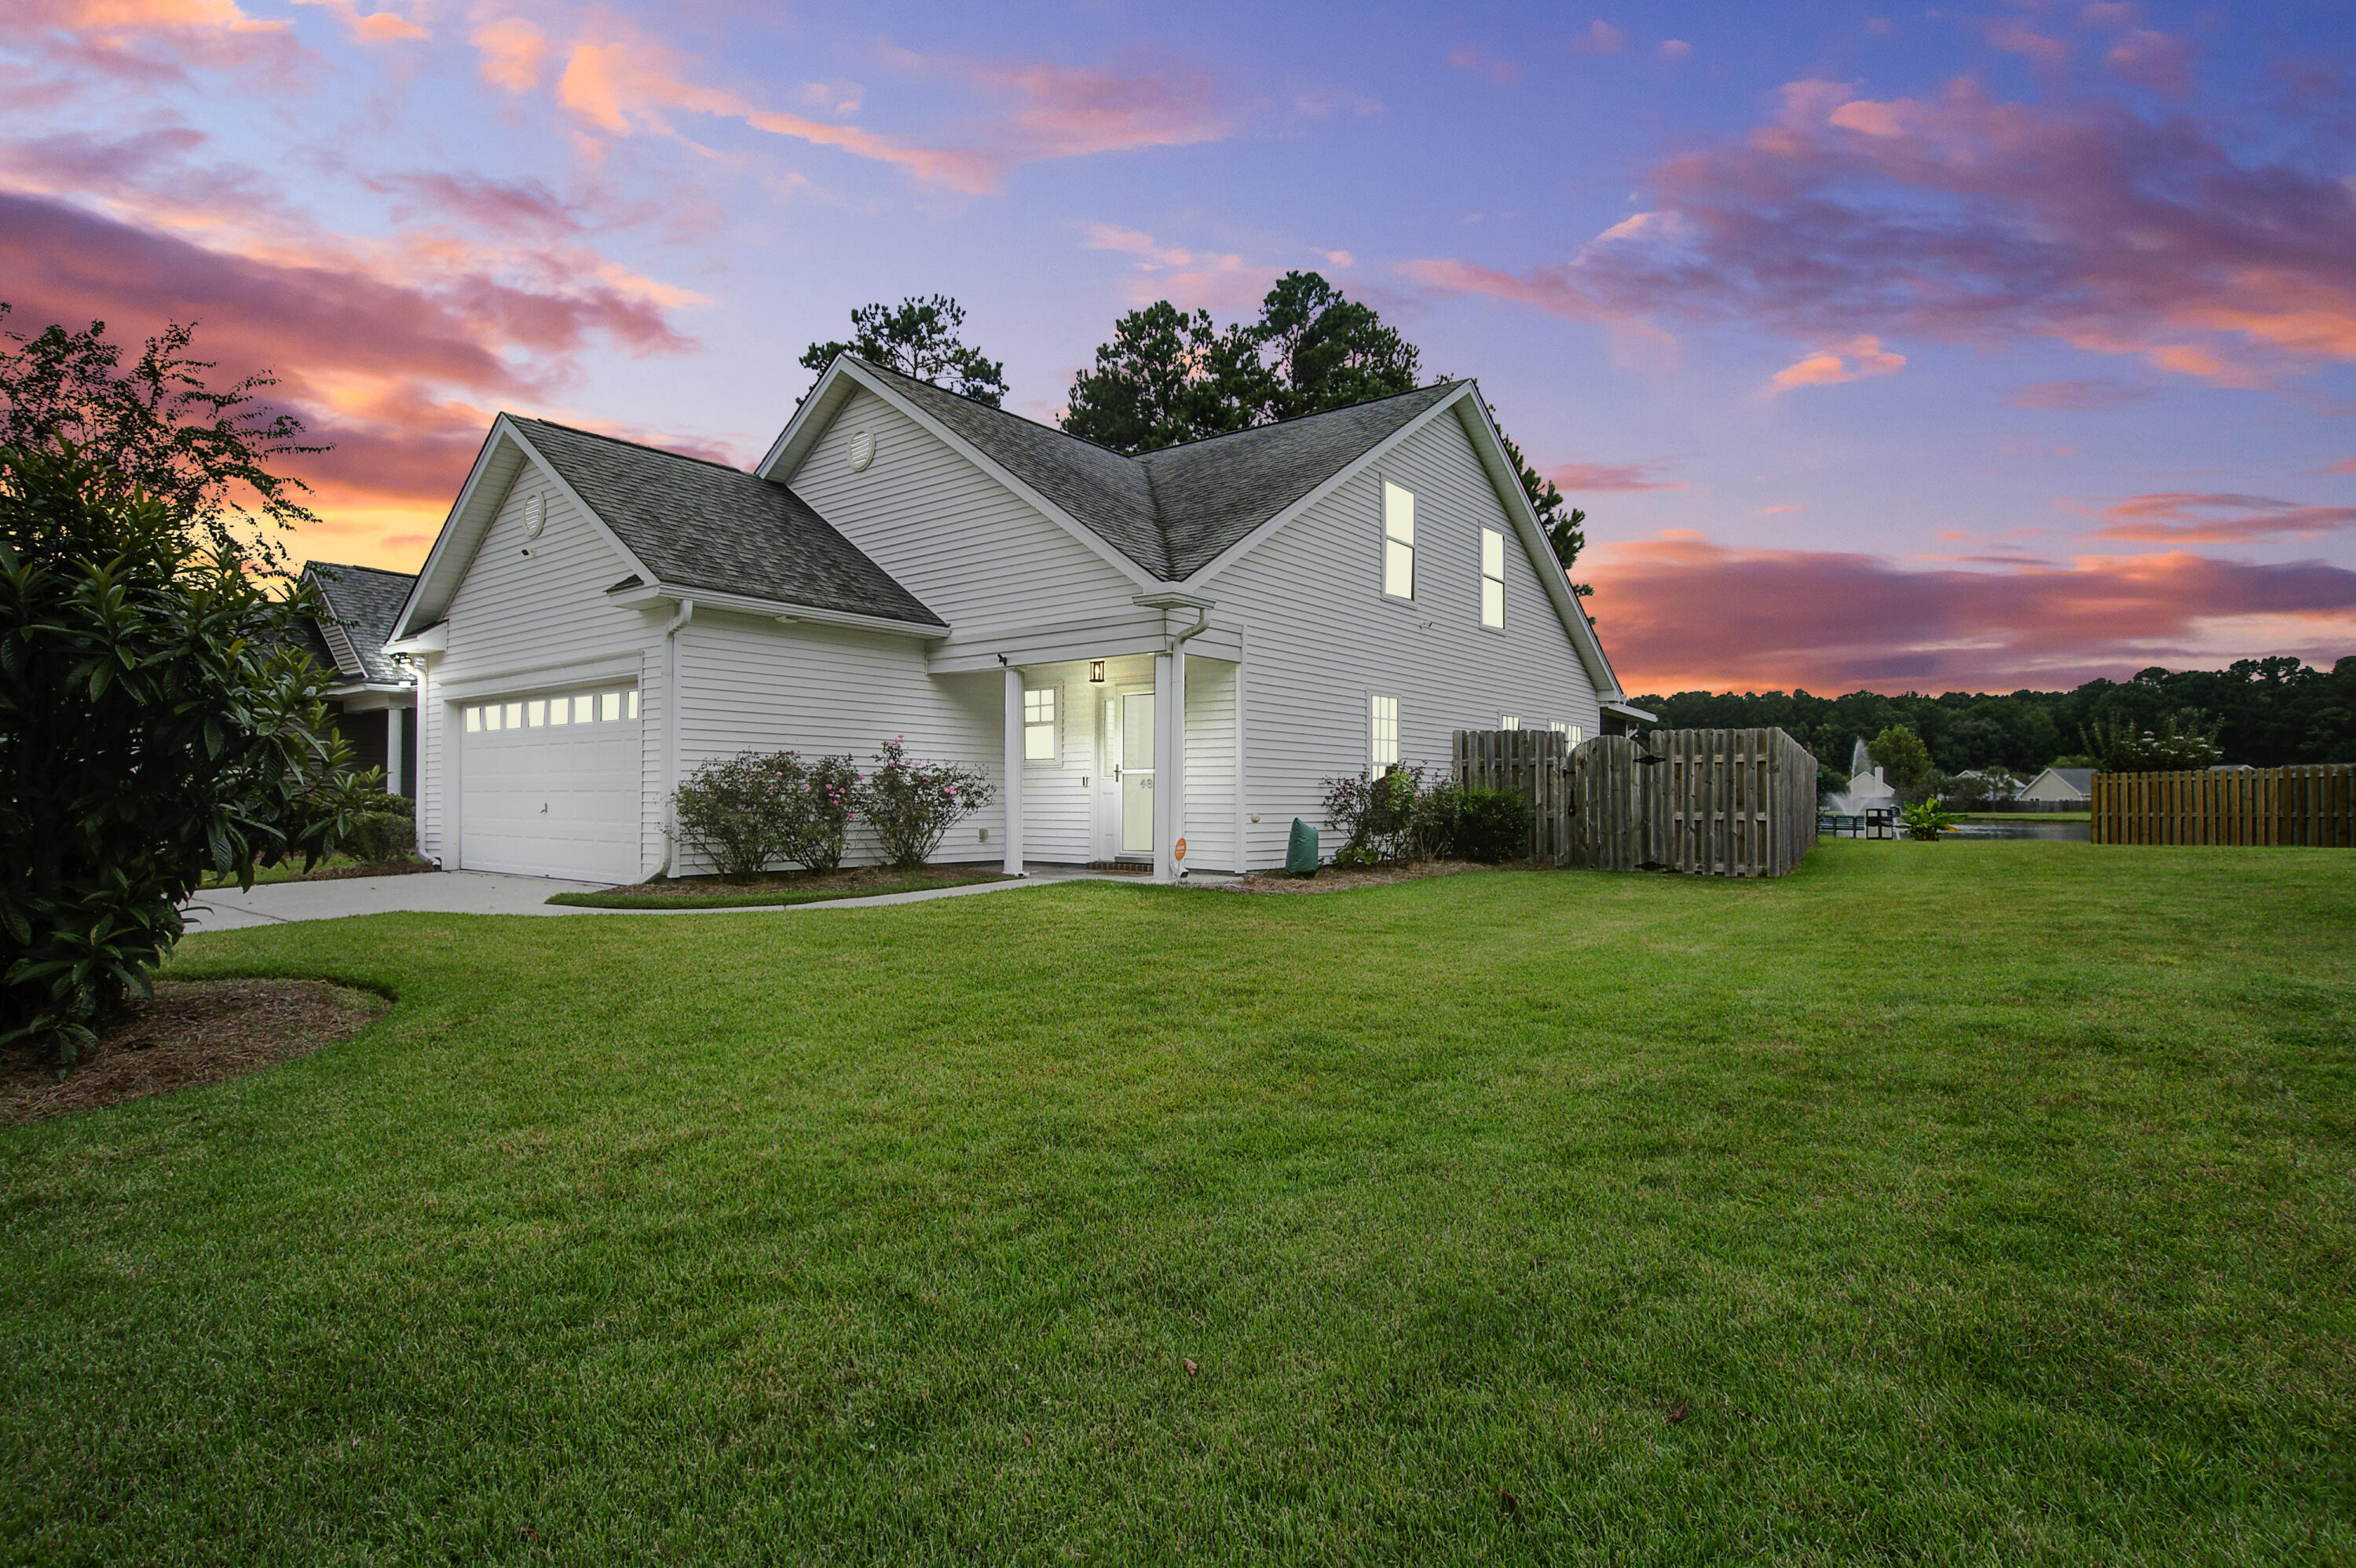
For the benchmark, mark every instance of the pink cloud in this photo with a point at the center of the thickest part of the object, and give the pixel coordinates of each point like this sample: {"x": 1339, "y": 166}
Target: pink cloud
{"x": 1601, "y": 38}
{"x": 399, "y": 362}
{"x": 2083, "y": 396}
{"x": 2016, "y": 37}
{"x": 1683, "y": 612}
{"x": 158, "y": 39}
{"x": 2183, "y": 517}
{"x": 371, "y": 28}
{"x": 2153, "y": 60}
{"x": 1853, "y": 360}
{"x": 1974, "y": 221}
{"x": 2346, "y": 465}
{"x": 1581, "y": 478}
{"x": 514, "y": 51}
{"x": 1502, "y": 71}
{"x": 1676, "y": 49}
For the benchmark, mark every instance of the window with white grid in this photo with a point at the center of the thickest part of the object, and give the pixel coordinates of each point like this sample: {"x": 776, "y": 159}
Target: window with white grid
{"x": 1509, "y": 721}
{"x": 1039, "y": 724}
{"x": 1381, "y": 731}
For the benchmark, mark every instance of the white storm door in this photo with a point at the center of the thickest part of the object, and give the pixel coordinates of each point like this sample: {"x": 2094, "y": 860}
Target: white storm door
{"x": 553, "y": 800}
{"x": 1137, "y": 773}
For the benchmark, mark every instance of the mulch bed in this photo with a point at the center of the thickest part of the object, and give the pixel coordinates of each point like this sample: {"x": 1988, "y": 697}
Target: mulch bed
{"x": 1333, "y": 879}
{"x": 850, "y": 879}
{"x": 195, "y": 1031}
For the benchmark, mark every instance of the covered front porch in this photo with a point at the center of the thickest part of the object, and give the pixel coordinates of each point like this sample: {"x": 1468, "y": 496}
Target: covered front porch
{"x": 1123, "y": 742}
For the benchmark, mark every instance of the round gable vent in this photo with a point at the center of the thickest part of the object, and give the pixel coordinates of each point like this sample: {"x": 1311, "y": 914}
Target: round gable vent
{"x": 862, "y": 450}
{"x": 535, "y": 517}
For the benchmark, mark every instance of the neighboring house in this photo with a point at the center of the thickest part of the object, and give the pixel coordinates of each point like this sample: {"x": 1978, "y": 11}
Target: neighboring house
{"x": 374, "y": 700}
{"x": 2060, "y": 787}
{"x": 1145, "y": 651}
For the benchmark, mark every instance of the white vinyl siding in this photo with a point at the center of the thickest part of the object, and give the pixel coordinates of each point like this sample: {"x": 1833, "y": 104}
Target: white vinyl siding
{"x": 519, "y": 621}
{"x": 977, "y": 554}
{"x": 1398, "y": 542}
{"x": 1382, "y": 732}
{"x": 748, "y": 684}
{"x": 1492, "y": 578}
{"x": 1311, "y": 657}
{"x": 1211, "y": 767}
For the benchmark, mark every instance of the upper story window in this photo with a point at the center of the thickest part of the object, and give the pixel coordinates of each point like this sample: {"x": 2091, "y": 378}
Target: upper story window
{"x": 1492, "y": 578}
{"x": 1398, "y": 542}
{"x": 1572, "y": 733}
{"x": 1039, "y": 724}
{"x": 1510, "y": 722}
{"x": 1382, "y": 732}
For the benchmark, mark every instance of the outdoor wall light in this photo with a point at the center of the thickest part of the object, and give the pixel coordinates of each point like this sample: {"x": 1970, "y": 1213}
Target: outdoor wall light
{"x": 1096, "y": 672}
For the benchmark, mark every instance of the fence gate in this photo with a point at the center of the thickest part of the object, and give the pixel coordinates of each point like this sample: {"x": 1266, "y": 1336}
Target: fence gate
{"x": 1719, "y": 802}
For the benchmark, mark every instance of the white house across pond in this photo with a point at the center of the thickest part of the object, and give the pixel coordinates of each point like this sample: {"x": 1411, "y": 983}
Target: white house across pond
{"x": 1160, "y": 658}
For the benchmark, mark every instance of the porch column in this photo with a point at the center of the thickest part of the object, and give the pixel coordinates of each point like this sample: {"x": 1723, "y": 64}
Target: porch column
{"x": 1013, "y": 796}
{"x": 392, "y": 751}
{"x": 1169, "y": 761}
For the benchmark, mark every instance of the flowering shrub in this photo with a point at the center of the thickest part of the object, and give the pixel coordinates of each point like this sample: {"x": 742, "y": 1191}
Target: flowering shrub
{"x": 754, "y": 809}
{"x": 1375, "y": 815}
{"x": 911, "y": 806}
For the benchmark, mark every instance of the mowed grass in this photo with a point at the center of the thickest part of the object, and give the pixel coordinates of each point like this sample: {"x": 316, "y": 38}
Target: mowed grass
{"x": 1944, "y": 1203}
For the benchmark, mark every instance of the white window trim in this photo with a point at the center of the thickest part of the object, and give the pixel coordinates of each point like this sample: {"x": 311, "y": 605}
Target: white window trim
{"x": 1383, "y": 562}
{"x": 1499, "y": 578}
{"x": 1054, "y": 725}
{"x": 1376, "y": 760}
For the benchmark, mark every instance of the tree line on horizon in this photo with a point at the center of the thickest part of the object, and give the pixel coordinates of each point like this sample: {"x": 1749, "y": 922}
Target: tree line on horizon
{"x": 2266, "y": 712}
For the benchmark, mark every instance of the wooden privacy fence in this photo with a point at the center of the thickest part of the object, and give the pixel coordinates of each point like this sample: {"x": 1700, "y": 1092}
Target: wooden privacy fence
{"x": 1720, "y": 802}
{"x": 1533, "y": 763}
{"x": 2313, "y": 805}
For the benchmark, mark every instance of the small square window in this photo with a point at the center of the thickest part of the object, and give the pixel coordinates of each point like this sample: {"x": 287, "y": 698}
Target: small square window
{"x": 514, "y": 720}
{"x": 535, "y": 712}
{"x": 1382, "y": 732}
{"x": 560, "y": 710}
{"x": 584, "y": 708}
{"x": 474, "y": 721}
{"x": 1039, "y": 724}
{"x": 610, "y": 705}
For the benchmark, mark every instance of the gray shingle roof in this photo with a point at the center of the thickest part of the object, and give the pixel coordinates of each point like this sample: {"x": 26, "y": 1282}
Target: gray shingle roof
{"x": 699, "y": 524}
{"x": 363, "y": 600}
{"x": 1176, "y": 510}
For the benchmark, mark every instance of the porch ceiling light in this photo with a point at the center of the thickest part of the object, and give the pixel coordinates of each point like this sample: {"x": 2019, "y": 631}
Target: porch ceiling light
{"x": 1096, "y": 672}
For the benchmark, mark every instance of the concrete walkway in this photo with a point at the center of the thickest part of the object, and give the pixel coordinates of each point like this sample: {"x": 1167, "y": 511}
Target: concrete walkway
{"x": 487, "y": 892}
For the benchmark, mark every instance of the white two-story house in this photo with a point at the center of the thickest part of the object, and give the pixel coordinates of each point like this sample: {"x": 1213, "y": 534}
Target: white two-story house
{"x": 1158, "y": 658}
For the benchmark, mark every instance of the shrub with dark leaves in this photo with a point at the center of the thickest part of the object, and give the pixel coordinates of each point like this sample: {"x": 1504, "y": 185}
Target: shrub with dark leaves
{"x": 913, "y": 806}
{"x": 159, "y": 725}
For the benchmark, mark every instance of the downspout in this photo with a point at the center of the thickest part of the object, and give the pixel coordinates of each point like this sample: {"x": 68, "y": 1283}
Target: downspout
{"x": 1177, "y": 733}
{"x": 671, "y": 729}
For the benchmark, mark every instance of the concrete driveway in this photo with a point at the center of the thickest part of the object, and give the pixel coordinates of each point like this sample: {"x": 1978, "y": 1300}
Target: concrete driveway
{"x": 487, "y": 892}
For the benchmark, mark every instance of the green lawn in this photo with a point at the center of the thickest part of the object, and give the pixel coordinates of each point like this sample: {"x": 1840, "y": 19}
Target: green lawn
{"x": 1972, "y": 1203}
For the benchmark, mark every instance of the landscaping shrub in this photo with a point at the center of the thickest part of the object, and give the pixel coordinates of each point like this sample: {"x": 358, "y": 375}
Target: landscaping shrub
{"x": 159, "y": 725}
{"x": 911, "y": 806}
{"x": 754, "y": 809}
{"x": 1438, "y": 815}
{"x": 1375, "y": 817}
{"x": 379, "y": 835}
{"x": 1493, "y": 826}
{"x": 733, "y": 812}
{"x": 1928, "y": 819}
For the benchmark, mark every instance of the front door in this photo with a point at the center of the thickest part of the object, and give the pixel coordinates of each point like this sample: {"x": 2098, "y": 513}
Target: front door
{"x": 1134, "y": 769}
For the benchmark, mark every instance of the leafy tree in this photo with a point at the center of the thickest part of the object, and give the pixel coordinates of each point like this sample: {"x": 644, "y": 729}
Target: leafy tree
{"x": 159, "y": 723}
{"x": 1904, "y": 761}
{"x": 1566, "y": 527}
{"x": 2180, "y": 741}
{"x": 918, "y": 337}
{"x": 1168, "y": 377}
{"x": 156, "y": 429}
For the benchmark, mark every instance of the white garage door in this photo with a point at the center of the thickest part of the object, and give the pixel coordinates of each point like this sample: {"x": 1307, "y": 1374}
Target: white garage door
{"x": 549, "y": 786}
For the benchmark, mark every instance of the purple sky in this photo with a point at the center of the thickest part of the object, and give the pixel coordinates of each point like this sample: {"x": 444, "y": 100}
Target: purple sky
{"x": 1894, "y": 349}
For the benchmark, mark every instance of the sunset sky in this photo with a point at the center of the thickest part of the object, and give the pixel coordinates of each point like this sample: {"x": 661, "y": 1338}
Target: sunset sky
{"x": 1894, "y": 349}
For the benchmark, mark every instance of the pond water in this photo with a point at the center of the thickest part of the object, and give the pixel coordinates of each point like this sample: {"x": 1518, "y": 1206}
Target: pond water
{"x": 2026, "y": 828}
